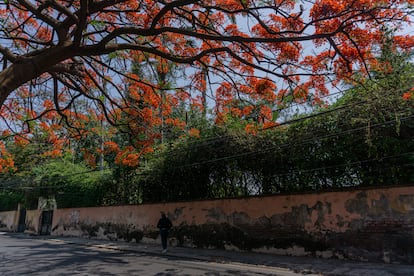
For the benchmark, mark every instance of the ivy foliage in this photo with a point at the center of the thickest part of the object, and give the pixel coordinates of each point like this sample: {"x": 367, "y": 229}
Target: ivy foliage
{"x": 10, "y": 199}
{"x": 72, "y": 185}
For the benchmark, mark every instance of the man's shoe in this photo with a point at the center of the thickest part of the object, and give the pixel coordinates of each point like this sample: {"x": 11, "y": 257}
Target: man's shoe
{"x": 164, "y": 251}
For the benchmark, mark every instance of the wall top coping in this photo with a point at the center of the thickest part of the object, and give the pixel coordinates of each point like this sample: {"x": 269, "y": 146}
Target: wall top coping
{"x": 316, "y": 192}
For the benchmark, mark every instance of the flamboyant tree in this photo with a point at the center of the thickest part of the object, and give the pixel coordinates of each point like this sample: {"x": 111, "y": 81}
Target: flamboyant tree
{"x": 64, "y": 51}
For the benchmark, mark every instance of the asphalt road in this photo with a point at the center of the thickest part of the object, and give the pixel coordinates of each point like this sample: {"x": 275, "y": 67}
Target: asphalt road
{"x": 22, "y": 255}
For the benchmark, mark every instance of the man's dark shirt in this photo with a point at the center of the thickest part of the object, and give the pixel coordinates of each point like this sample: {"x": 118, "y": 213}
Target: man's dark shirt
{"x": 164, "y": 223}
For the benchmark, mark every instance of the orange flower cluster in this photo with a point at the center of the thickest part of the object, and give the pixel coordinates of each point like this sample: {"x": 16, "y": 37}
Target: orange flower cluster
{"x": 130, "y": 157}
{"x": 89, "y": 158}
{"x": 111, "y": 146}
{"x": 193, "y": 132}
{"x": 408, "y": 95}
{"x": 6, "y": 160}
{"x": 53, "y": 153}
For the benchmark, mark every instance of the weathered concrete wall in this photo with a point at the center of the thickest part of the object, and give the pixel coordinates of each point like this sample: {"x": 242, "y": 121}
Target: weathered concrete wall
{"x": 33, "y": 220}
{"x": 8, "y": 221}
{"x": 365, "y": 224}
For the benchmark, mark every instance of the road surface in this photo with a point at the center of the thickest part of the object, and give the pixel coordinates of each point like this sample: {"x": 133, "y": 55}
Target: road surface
{"x": 22, "y": 255}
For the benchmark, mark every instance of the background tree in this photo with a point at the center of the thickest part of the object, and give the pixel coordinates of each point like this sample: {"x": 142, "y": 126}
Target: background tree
{"x": 363, "y": 139}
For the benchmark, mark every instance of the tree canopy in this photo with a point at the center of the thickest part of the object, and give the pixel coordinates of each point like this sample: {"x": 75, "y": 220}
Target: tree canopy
{"x": 363, "y": 139}
{"x": 74, "y": 62}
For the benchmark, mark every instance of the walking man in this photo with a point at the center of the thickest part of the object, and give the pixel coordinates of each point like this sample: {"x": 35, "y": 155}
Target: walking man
{"x": 164, "y": 224}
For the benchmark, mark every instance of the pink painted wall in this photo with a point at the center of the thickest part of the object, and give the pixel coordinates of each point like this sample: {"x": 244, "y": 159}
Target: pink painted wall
{"x": 330, "y": 211}
{"x": 32, "y": 221}
{"x": 375, "y": 224}
{"x": 8, "y": 221}
{"x": 364, "y": 224}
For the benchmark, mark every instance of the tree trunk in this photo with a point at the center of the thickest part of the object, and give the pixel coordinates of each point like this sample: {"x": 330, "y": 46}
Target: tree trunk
{"x": 13, "y": 77}
{"x": 27, "y": 69}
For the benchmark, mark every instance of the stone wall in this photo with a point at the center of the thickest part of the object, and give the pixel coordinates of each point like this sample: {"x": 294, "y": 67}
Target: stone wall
{"x": 361, "y": 224}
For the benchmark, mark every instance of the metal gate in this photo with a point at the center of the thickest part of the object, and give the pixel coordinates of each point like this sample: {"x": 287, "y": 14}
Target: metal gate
{"x": 46, "y": 222}
{"x": 21, "y": 226}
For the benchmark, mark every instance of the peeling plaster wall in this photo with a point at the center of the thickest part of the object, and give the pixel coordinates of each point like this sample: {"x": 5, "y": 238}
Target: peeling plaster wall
{"x": 364, "y": 224}
{"x": 360, "y": 224}
{"x": 33, "y": 220}
{"x": 8, "y": 221}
